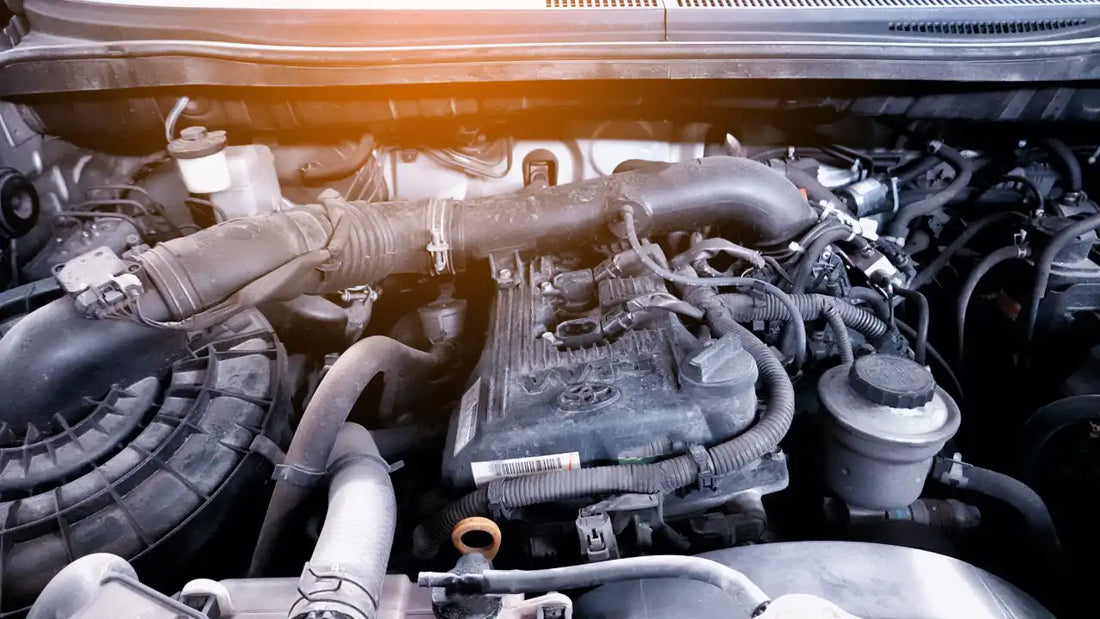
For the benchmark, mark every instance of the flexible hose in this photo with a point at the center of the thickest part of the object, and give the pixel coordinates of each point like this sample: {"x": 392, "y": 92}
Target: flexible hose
{"x": 813, "y": 187}
{"x": 744, "y": 308}
{"x": 662, "y": 477}
{"x": 910, "y": 171}
{"x": 328, "y": 409}
{"x": 879, "y": 305}
{"x": 805, "y": 271}
{"x": 840, "y": 331}
{"x": 798, "y": 328}
{"x": 729, "y": 580}
{"x": 1004, "y": 488}
{"x": 1072, "y": 167}
{"x": 929, "y": 272}
{"x": 964, "y": 171}
{"x": 968, "y": 287}
{"x": 345, "y": 572}
{"x": 1045, "y": 261}
{"x": 956, "y": 385}
{"x": 316, "y": 174}
{"x": 920, "y": 344}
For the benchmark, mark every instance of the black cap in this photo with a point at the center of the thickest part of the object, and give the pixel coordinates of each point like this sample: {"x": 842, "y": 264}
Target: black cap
{"x": 892, "y": 381}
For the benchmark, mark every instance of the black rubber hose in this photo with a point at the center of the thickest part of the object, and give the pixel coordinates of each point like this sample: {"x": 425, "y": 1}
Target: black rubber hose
{"x": 945, "y": 367}
{"x": 1045, "y": 261}
{"x": 964, "y": 171}
{"x": 815, "y": 191}
{"x": 840, "y": 331}
{"x": 327, "y": 411}
{"x": 313, "y": 174}
{"x": 1071, "y": 167}
{"x": 912, "y": 170}
{"x": 1048, "y": 421}
{"x": 1031, "y": 186}
{"x": 920, "y": 345}
{"x": 805, "y": 271}
{"x": 1004, "y": 488}
{"x": 729, "y": 580}
{"x": 928, "y": 273}
{"x": 662, "y": 477}
{"x": 745, "y": 308}
{"x": 879, "y": 305}
{"x": 968, "y": 287}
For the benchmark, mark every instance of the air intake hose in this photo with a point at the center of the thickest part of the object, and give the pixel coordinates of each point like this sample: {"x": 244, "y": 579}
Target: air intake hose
{"x": 319, "y": 249}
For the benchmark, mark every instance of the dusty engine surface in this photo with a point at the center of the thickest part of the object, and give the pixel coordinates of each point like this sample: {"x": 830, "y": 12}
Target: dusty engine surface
{"x": 591, "y": 367}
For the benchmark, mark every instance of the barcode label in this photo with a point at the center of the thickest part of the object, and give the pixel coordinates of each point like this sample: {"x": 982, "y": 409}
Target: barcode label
{"x": 485, "y": 472}
{"x": 467, "y": 416}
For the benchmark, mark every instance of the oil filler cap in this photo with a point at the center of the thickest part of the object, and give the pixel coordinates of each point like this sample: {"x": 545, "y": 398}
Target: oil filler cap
{"x": 892, "y": 381}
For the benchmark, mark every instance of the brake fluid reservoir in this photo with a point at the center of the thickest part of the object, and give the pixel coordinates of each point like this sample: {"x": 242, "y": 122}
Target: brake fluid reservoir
{"x": 886, "y": 420}
{"x": 200, "y": 155}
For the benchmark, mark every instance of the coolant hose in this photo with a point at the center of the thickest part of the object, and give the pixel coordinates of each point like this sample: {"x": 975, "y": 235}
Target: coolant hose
{"x": 662, "y": 477}
{"x": 729, "y": 580}
{"x": 987, "y": 264}
{"x": 964, "y": 171}
{"x": 1070, "y": 165}
{"x": 928, "y": 273}
{"x": 745, "y": 308}
{"x": 325, "y": 415}
{"x": 322, "y": 249}
{"x": 78, "y": 584}
{"x": 924, "y": 319}
{"x": 345, "y": 572}
{"x": 1004, "y": 488}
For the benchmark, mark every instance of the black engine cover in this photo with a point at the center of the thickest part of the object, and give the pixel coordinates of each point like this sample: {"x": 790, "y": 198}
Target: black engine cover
{"x": 536, "y": 403}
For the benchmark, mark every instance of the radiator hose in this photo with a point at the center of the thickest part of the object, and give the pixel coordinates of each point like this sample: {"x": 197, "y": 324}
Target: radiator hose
{"x": 344, "y": 575}
{"x": 658, "y": 478}
{"x": 324, "y": 419}
{"x": 320, "y": 249}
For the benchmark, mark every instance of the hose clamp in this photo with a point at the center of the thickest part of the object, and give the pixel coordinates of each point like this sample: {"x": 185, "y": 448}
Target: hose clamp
{"x": 439, "y": 247}
{"x": 296, "y": 475}
{"x": 494, "y": 495}
{"x": 708, "y": 477}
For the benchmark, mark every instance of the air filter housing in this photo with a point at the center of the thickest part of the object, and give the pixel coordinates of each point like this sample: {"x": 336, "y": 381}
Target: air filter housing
{"x": 151, "y": 469}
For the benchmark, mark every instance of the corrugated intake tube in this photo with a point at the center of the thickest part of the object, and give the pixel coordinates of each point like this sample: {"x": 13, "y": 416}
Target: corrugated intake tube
{"x": 661, "y": 477}
{"x": 321, "y": 249}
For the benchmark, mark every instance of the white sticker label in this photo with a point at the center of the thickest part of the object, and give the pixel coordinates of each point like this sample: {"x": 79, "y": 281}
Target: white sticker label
{"x": 485, "y": 472}
{"x": 467, "y": 416}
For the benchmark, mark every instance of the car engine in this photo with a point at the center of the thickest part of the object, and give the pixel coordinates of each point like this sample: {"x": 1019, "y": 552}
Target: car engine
{"x": 773, "y": 354}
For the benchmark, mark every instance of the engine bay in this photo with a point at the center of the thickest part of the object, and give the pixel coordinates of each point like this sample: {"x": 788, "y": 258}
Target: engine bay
{"x": 819, "y": 363}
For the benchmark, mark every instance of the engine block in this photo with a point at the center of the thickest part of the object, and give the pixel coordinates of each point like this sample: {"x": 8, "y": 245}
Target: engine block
{"x": 567, "y": 368}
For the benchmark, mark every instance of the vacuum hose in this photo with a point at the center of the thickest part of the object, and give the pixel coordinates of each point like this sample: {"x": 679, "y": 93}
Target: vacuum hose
{"x": 321, "y": 249}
